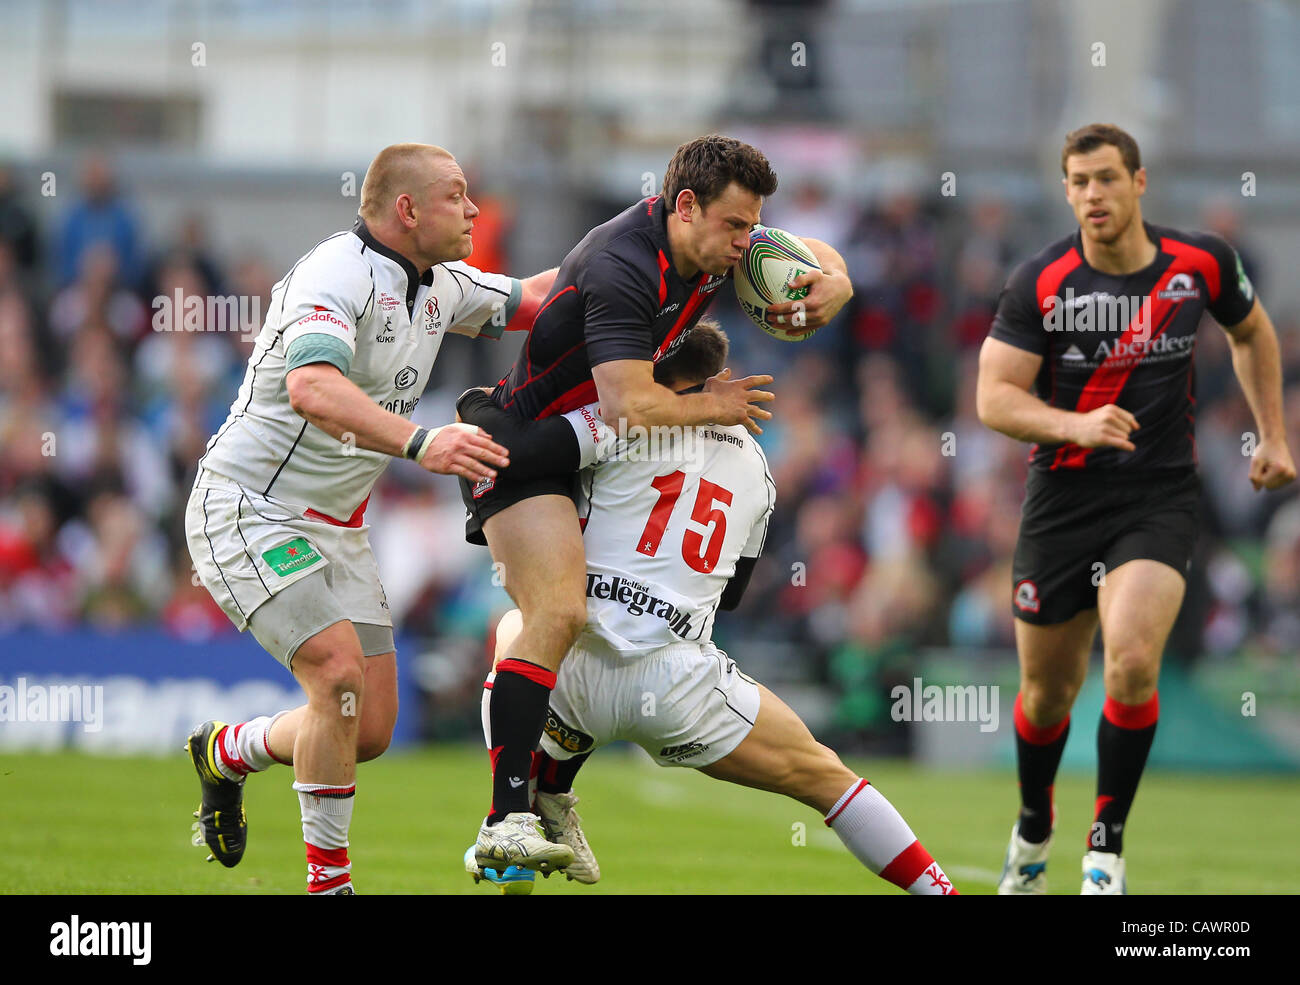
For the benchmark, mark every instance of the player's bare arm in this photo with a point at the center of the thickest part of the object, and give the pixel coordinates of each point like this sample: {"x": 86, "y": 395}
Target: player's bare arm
{"x": 1004, "y": 403}
{"x": 829, "y": 289}
{"x": 1256, "y": 361}
{"x": 535, "y": 289}
{"x": 325, "y": 397}
{"x": 628, "y": 392}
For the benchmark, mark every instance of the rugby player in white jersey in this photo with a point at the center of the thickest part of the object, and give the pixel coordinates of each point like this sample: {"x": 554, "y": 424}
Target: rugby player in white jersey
{"x": 674, "y": 521}
{"x": 275, "y": 522}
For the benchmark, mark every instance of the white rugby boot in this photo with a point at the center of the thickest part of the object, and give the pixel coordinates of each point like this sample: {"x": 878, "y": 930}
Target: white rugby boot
{"x": 564, "y": 826}
{"x": 517, "y": 840}
{"x": 1103, "y": 875}
{"x": 1024, "y": 872}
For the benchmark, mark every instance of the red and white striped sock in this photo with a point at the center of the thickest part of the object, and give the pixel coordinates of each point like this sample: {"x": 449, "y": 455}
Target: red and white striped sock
{"x": 326, "y": 815}
{"x": 245, "y": 748}
{"x": 880, "y": 839}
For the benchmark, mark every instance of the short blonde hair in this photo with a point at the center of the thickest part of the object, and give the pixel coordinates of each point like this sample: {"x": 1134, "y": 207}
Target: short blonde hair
{"x": 396, "y": 170}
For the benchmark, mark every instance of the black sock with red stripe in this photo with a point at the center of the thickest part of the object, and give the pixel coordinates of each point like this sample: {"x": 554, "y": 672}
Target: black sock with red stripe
{"x": 1038, "y": 754}
{"x": 557, "y": 775}
{"x": 517, "y": 713}
{"x": 1124, "y": 739}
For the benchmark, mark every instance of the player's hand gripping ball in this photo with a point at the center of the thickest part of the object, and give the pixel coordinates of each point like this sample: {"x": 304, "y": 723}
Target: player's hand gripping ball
{"x": 763, "y": 275}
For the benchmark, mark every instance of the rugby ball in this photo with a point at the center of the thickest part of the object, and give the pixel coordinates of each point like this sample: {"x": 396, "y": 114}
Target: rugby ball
{"x": 773, "y": 259}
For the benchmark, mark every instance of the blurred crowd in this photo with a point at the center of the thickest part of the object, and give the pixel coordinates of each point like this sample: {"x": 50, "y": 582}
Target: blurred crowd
{"x": 897, "y": 510}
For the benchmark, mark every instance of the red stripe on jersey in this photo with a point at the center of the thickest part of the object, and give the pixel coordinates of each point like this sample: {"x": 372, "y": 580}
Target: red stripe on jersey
{"x": 583, "y": 393}
{"x": 907, "y": 865}
{"x": 1109, "y": 379}
{"x": 542, "y": 374}
{"x": 527, "y": 345}
{"x": 1132, "y": 716}
{"x": 650, "y": 204}
{"x": 355, "y": 520}
{"x": 571, "y": 287}
{"x": 534, "y": 672}
{"x": 663, "y": 280}
{"x": 1201, "y": 261}
{"x": 1049, "y": 281}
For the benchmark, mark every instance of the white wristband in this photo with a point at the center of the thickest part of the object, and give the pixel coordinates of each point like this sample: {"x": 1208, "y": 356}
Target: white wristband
{"x": 416, "y": 454}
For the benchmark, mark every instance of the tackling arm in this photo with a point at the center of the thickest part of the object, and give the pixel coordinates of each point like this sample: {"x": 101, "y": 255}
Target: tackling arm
{"x": 535, "y": 289}
{"x": 323, "y": 396}
{"x": 630, "y": 396}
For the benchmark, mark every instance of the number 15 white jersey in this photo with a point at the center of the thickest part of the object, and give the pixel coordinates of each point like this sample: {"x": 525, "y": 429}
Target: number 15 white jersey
{"x": 666, "y": 519}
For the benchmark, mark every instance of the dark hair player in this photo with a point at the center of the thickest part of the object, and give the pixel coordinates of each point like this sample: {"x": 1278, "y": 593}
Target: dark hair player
{"x": 625, "y": 298}
{"x": 1102, "y": 325}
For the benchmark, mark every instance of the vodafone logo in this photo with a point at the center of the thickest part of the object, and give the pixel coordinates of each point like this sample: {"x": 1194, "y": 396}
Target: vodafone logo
{"x": 325, "y": 315}
{"x": 592, "y": 425}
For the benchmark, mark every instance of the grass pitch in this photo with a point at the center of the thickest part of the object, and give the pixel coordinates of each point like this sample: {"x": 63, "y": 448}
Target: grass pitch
{"x": 71, "y": 823}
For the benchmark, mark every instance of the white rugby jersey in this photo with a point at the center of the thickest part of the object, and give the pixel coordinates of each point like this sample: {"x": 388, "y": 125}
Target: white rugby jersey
{"x": 666, "y": 519}
{"x": 352, "y": 288}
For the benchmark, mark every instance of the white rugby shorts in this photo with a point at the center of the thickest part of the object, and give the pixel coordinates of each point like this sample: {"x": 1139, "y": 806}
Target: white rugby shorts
{"x": 686, "y": 704}
{"x": 247, "y": 549}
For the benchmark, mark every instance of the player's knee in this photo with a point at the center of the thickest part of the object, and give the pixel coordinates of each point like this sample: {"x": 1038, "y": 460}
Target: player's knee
{"x": 1047, "y": 702}
{"x": 1131, "y": 673}
{"x": 562, "y": 622}
{"x": 338, "y": 681}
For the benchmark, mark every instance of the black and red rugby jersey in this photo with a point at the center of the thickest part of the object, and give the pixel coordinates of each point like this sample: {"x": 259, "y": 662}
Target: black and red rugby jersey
{"x": 1125, "y": 340}
{"x": 617, "y": 296}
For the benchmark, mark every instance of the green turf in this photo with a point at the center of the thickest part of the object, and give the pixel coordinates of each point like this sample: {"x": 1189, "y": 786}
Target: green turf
{"x": 75, "y": 824}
